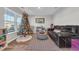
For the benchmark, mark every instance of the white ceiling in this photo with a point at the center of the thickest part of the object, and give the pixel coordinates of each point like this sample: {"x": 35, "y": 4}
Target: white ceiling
{"x": 41, "y": 11}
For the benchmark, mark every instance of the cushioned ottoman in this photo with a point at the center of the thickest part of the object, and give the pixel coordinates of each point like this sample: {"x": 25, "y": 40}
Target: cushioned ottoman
{"x": 42, "y": 36}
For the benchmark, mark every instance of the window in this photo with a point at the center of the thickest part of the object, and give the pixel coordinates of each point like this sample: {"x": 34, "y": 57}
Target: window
{"x": 9, "y": 21}
{"x": 18, "y": 23}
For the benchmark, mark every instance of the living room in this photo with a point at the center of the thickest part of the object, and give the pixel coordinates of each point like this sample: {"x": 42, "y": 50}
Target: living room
{"x": 39, "y": 36}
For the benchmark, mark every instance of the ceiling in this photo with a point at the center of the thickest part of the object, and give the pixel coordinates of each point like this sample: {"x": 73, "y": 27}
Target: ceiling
{"x": 41, "y": 11}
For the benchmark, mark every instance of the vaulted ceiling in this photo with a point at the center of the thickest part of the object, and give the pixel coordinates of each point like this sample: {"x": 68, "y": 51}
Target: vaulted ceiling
{"x": 40, "y": 11}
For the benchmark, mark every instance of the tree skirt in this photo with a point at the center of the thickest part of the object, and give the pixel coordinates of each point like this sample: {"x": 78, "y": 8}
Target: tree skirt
{"x": 24, "y": 39}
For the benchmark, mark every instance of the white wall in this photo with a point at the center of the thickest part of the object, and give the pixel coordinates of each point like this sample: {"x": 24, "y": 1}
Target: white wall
{"x": 48, "y": 21}
{"x": 68, "y": 16}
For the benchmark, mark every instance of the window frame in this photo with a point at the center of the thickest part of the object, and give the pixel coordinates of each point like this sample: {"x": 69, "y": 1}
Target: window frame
{"x": 17, "y": 22}
{"x": 16, "y": 15}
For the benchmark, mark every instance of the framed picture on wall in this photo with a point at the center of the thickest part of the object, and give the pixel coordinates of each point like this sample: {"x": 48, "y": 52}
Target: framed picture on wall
{"x": 40, "y": 20}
